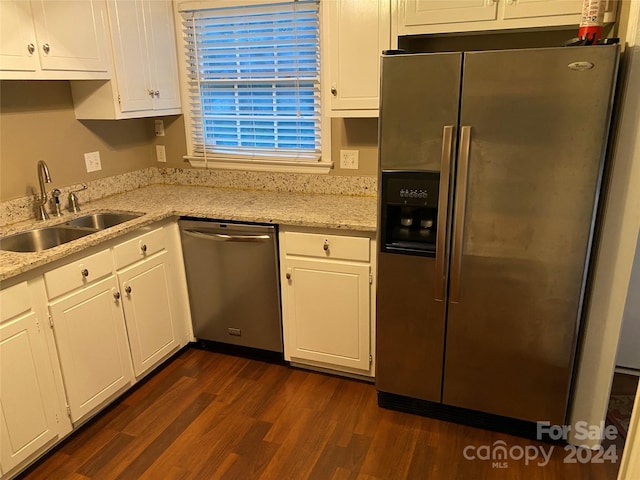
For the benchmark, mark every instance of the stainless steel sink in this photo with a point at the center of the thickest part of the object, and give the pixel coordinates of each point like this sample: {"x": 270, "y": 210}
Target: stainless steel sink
{"x": 41, "y": 238}
{"x": 100, "y": 221}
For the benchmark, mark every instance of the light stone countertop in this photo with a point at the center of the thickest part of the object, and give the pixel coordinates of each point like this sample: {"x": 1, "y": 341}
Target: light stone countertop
{"x": 158, "y": 202}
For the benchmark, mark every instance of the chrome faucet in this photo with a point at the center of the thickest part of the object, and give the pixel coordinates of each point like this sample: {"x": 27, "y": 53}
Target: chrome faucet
{"x": 41, "y": 200}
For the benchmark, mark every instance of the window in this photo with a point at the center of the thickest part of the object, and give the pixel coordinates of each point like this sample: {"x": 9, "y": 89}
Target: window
{"x": 254, "y": 83}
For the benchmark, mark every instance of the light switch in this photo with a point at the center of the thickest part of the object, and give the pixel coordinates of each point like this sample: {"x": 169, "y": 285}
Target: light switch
{"x": 92, "y": 161}
{"x": 159, "y": 128}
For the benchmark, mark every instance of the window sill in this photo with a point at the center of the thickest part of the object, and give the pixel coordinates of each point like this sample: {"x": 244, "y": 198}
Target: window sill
{"x": 261, "y": 165}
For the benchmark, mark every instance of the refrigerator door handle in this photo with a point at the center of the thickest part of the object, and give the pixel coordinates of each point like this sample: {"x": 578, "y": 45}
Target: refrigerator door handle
{"x": 443, "y": 211}
{"x": 461, "y": 201}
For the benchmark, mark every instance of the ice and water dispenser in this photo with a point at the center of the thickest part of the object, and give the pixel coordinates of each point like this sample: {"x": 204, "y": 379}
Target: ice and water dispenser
{"x": 409, "y": 212}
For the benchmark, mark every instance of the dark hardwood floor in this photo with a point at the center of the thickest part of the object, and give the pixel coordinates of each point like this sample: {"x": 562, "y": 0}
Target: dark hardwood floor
{"x": 207, "y": 415}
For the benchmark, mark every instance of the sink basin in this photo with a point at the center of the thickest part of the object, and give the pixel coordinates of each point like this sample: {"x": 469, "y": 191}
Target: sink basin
{"x": 100, "y": 221}
{"x": 48, "y": 237}
{"x": 41, "y": 239}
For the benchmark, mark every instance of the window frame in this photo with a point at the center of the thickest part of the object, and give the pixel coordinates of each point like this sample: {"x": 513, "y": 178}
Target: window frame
{"x": 274, "y": 164}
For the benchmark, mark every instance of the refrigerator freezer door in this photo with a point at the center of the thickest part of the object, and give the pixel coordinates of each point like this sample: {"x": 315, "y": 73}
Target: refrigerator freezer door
{"x": 539, "y": 121}
{"x": 410, "y": 327}
{"x": 420, "y": 94}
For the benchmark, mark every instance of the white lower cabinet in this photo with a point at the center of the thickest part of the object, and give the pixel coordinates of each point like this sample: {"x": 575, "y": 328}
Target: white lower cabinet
{"x": 28, "y": 401}
{"x": 72, "y": 337}
{"x": 92, "y": 346}
{"x": 327, "y": 301}
{"x": 150, "y": 324}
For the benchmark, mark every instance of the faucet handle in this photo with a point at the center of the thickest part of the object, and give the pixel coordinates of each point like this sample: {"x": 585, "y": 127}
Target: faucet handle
{"x": 74, "y": 206}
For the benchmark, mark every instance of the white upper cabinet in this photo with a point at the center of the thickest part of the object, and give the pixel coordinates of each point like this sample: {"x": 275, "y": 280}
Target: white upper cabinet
{"x": 426, "y": 12}
{"x": 53, "y": 40}
{"x": 415, "y": 17}
{"x": 145, "y": 83}
{"x": 161, "y": 44}
{"x": 541, "y": 8}
{"x": 355, "y": 34}
{"x": 17, "y": 37}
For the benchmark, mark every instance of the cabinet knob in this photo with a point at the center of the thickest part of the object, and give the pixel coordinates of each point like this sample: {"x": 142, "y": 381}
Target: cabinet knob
{"x": 46, "y": 48}
{"x": 84, "y": 272}
{"x": 334, "y": 90}
{"x": 116, "y": 295}
{"x": 157, "y": 93}
{"x": 325, "y": 247}
{"x": 31, "y": 48}
{"x": 288, "y": 275}
{"x": 150, "y": 92}
{"x": 127, "y": 289}
{"x": 143, "y": 248}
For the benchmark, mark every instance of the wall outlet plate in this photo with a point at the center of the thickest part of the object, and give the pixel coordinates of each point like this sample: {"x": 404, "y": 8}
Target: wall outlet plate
{"x": 92, "y": 161}
{"x": 349, "y": 159}
{"x": 161, "y": 155}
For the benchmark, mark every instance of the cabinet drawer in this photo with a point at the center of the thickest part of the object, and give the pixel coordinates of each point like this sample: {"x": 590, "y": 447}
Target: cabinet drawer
{"x": 77, "y": 274}
{"x": 139, "y": 248}
{"x": 327, "y": 246}
{"x": 14, "y": 301}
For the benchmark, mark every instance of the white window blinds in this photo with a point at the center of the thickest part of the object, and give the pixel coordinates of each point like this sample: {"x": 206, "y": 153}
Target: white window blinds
{"x": 254, "y": 84}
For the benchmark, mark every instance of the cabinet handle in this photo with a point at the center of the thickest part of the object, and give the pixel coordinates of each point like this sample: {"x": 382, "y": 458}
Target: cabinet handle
{"x": 84, "y": 272}
{"x": 46, "y": 48}
{"x": 31, "y": 48}
{"x": 334, "y": 90}
{"x": 325, "y": 247}
{"x": 116, "y": 295}
{"x": 127, "y": 289}
{"x": 143, "y": 247}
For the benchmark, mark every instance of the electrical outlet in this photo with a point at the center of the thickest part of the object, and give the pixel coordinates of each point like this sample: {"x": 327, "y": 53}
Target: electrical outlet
{"x": 92, "y": 161}
{"x": 159, "y": 128}
{"x": 349, "y": 159}
{"x": 160, "y": 153}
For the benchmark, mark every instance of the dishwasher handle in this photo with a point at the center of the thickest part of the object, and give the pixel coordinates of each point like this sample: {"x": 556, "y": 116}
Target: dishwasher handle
{"x": 223, "y": 237}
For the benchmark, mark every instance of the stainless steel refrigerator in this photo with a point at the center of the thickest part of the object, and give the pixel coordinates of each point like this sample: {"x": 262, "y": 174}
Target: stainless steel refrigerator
{"x": 491, "y": 169}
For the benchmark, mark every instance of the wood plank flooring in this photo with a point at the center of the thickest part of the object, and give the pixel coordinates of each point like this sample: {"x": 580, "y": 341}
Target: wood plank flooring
{"x": 208, "y": 415}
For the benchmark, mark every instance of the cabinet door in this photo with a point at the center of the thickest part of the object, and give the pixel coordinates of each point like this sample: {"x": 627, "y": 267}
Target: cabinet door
{"x": 27, "y": 390}
{"x": 327, "y": 312}
{"x": 147, "y": 311}
{"x": 17, "y": 36}
{"x": 357, "y": 32}
{"x": 429, "y": 12}
{"x": 161, "y": 43}
{"x": 130, "y": 55}
{"x": 71, "y": 35}
{"x": 541, "y": 8}
{"x": 92, "y": 344}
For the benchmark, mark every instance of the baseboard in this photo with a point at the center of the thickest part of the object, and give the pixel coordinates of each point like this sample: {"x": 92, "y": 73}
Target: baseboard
{"x": 439, "y": 411}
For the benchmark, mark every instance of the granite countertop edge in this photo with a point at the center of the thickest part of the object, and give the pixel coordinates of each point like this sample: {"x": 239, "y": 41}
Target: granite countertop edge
{"x": 159, "y": 202}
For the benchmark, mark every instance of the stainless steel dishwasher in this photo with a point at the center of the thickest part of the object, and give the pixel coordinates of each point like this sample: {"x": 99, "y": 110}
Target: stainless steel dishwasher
{"x": 232, "y": 277}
